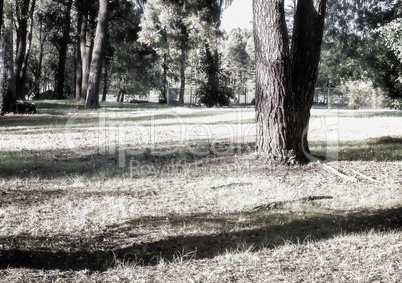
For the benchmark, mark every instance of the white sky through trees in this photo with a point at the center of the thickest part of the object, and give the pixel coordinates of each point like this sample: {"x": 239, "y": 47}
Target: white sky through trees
{"x": 239, "y": 14}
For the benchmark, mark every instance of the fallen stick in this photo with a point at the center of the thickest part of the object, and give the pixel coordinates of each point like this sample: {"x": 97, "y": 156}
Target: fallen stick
{"x": 336, "y": 172}
{"x": 364, "y": 176}
{"x": 277, "y": 204}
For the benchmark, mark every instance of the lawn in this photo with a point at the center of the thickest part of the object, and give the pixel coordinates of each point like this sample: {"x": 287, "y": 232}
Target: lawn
{"x": 138, "y": 193}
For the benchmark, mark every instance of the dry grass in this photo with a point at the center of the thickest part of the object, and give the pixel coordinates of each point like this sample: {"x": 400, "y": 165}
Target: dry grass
{"x": 168, "y": 195}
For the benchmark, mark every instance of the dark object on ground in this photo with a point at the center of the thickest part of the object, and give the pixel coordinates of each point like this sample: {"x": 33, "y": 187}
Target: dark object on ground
{"x": 23, "y": 107}
{"x": 49, "y": 94}
{"x": 138, "y": 101}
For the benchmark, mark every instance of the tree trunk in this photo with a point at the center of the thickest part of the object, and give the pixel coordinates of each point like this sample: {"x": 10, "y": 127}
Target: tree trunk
{"x": 183, "y": 71}
{"x": 105, "y": 79}
{"x": 24, "y": 41}
{"x": 7, "y": 81}
{"x": 60, "y": 75}
{"x": 38, "y": 71}
{"x": 160, "y": 82}
{"x": 305, "y": 52}
{"x": 78, "y": 59}
{"x": 96, "y": 62}
{"x": 1, "y": 19}
{"x": 86, "y": 47}
{"x": 282, "y": 108}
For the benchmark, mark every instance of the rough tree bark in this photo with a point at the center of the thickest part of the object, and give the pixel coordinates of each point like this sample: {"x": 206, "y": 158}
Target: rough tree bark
{"x": 285, "y": 80}
{"x": 95, "y": 70}
{"x": 305, "y": 58}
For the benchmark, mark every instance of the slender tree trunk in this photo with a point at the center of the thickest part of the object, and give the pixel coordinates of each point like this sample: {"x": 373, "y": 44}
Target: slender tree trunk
{"x": 1, "y": 18}
{"x": 165, "y": 70}
{"x": 38, "y": 71}
{"x": 183, "y": 71}
{"x": 24, "y": 41}
{"x": 86, "y": 39}
{"x": 105, "y": 79}
{"x": 160, "y": 82}
{"x": 285, "y": 84}
{"x": 60, "y": 75}
{"x": 78, "y": 59}
{"x": 97, "y": 53}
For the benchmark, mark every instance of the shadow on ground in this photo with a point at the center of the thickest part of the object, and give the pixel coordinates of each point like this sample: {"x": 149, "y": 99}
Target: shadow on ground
{"x": 382, "y": 149}
{"x": 94, "y": 254}
{"x": 55, "y": 163}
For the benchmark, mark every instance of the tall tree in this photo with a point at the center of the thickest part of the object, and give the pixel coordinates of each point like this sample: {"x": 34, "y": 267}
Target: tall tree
{"x": 85, "y": 28}
{"x": 24, "y": 16}
{"x": 1, "y": 16}
{"x": 63, "y": 41}
{"x": 285, "y": 79}
{"x": 36, "y": 65}
{"x": 95, "y": 71}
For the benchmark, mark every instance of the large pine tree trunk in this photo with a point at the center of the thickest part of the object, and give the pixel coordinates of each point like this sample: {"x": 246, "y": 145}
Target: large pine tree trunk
{"x": 95, "y": 70}
{"x": 284, "y": 83}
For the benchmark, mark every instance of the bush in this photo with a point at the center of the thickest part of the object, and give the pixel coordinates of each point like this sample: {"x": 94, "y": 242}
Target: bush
{"x": 212, "y": 84}
{"x": 360, "y": 94}
{"x": 395, "y": 104}
{"x": 211, "y": 95}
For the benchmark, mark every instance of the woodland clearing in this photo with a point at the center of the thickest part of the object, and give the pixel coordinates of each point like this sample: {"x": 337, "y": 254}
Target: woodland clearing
{"x": 142, "y": 194}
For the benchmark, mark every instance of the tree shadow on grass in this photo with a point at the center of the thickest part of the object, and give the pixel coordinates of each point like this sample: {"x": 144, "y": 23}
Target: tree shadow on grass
{"x": 94, "y": 255}
{"x": 54, "y": 164}
{"x": 382, "y": 149}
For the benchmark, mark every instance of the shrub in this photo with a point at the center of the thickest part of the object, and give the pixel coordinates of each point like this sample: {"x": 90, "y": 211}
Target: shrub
{"x": 211, "y": 95}
{"x": 395, "y": 104}
{"x": 212, "y": 85}
{"x": 360, "y": 94}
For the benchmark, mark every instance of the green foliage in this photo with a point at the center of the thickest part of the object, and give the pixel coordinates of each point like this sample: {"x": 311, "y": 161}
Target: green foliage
{"x": 395, "y": 104}
{"x": 213, "y": 94}
{"x": 352, "y": 52}
{"x": 361, "y": 94}
{"x": 131, "y": 63}
{"x": 213, "y": 87}
{"x": 236, "y": 53}
{"x": 392, "y": 35}
{"x": 382, "y": 66}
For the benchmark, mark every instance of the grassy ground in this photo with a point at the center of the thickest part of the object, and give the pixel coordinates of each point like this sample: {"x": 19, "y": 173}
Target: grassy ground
{"x": 157, "y": 194}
